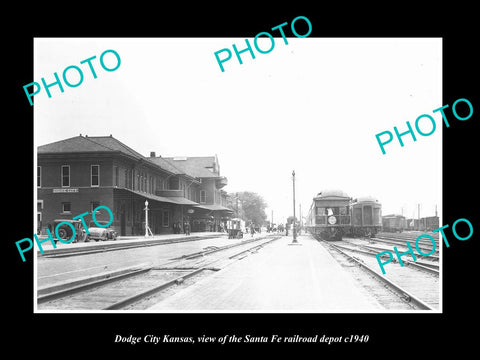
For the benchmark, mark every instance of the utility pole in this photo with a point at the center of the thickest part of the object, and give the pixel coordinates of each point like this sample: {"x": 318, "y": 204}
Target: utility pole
{"x": 294, "y": 229}
{"x": 418, "y": 216}
{"x": 300, "y": 223}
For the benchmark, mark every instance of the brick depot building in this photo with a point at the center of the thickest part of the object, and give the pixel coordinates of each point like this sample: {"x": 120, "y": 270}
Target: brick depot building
{"x": 78, "y": 174}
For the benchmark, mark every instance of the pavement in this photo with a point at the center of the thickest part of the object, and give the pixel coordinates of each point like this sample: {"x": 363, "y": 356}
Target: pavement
{"x": 58, "y": 270}
{"x": 279, "y": 278}
{"x": 47, "y": 246}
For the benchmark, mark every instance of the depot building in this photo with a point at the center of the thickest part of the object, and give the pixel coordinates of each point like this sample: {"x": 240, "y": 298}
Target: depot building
{"x": 78, "y": 174}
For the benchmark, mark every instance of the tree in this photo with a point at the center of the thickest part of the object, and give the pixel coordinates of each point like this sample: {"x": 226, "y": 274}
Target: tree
{"x": 251, "y": 207}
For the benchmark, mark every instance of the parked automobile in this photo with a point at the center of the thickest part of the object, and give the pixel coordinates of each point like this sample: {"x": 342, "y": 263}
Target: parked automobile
{"x": 65, "y": 232}
{"x": 101, "y": 233}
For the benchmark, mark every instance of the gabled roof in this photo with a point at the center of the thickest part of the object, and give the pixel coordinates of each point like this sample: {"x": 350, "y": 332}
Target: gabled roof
{"x": 162, "y": 162}
{"x": 115, "y": 145}
{"x": 95, "y": 144}
{"x": 196, "y": 166}
{"x": 71, "y": 145}
{"x": 82, "y": 144}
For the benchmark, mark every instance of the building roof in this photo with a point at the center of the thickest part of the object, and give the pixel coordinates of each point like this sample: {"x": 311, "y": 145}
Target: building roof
{"x": 162, "y": 162}
{"x": 104, "y": 144}
{"x": 82, "y": 144}
{"x": 196, "y": 166}
{"x": 214, "y": 207}
{"x": 167, "y": 199}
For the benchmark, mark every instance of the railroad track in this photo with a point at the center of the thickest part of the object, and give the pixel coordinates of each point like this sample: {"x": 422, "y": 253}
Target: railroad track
{"x": 402, "y": 284}
{"x": 137, "y": 285}
{"x": 424, "y": 246}
{"x": 427, "y": 266}
{"x": 402, "y": 238}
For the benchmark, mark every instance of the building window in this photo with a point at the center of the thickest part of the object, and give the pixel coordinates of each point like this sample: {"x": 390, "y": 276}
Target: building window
{"x": 95, "y": 175}
{"x": 126, "y": 178}
{"x": 203, "y": 196}
{"x": 165, "y": 218}
{"x": 116, "y": 172}
{"x": 39, "y": 176}
{"x": 66, "y": 208}
{"x": 94, "y": 205}
{"x": 65, "y": 175}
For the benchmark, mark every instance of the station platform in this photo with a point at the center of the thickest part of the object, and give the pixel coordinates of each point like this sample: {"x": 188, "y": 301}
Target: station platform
{"x": 279, "y": 278}
{"x": 85, "y": 262}
{"x": 48, "y": 248}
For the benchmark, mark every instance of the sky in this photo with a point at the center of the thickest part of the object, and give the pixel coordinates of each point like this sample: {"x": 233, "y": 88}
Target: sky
{"x": 313, "y": 106}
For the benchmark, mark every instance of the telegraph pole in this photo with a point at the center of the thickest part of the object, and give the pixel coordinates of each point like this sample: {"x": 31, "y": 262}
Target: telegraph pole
{"x": 300, "y": 223}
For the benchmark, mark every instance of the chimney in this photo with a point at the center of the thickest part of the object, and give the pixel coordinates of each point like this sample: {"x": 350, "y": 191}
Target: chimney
{"x": 152, "y": 153}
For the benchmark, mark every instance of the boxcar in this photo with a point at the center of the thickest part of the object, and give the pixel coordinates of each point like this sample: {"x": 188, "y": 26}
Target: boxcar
{"x": 394, "y": 223}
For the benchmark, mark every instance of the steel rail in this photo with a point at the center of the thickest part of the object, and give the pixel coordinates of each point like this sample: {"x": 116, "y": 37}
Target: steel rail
{"x": 402, "y": 292}
{"x": 125, "y": 302}
{"x": 414, "y": 264}
{"x": 435, "y": 256}
{"x": 134, "y": 298}
{"x": 424, "y": 264}
{"x": 401, "y": 242}
{"x": 84, "y": 287}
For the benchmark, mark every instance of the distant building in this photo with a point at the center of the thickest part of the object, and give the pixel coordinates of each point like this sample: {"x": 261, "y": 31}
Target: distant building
{"x": 78, "y": 174}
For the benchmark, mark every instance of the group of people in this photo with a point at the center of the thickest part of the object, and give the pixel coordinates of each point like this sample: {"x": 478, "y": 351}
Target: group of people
{"x": 177, "y": 227}
{"x": 279, "y": 228}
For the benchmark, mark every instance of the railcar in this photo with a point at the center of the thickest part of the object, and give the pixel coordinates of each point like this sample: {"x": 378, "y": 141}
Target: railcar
{"x": 235, "y": 228}
{"x": 394, "y": 223}
{"x": 366, "y": 215}
{"x": 329, "y": 215}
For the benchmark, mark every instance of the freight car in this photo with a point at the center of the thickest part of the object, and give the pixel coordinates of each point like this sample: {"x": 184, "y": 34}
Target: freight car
{"x": 394, "y": 223}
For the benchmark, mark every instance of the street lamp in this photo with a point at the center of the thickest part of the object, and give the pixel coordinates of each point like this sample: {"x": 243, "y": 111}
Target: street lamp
{"x": 146, "y": 218}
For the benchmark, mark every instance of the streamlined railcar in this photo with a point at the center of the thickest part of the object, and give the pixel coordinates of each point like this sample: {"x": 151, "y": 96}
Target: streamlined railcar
{"x": 366, "y": 215}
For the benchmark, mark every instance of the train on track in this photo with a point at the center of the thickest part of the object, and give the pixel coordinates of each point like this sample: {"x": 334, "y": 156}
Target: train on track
{"x": 394, "y": 223}
{"x": 333, "y": 214}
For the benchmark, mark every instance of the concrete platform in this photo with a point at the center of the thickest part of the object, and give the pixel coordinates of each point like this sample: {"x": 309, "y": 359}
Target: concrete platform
{"x": 57, "y": 270}
{"x": 48, "y": 248}
{"x": 279, "y": 278}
